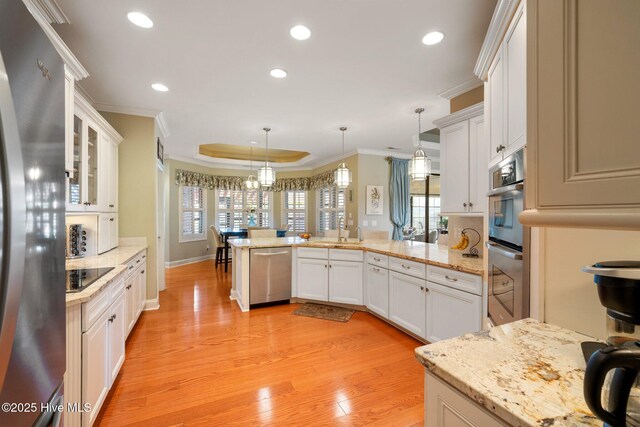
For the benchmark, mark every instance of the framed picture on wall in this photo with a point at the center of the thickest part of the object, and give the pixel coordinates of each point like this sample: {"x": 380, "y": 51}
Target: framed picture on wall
{"x": 160, "y": 148}
{"x": 374, "y": 202}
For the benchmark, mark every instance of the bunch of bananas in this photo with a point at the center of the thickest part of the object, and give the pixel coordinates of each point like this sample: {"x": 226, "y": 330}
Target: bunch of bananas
{"x": 463, "y": 243}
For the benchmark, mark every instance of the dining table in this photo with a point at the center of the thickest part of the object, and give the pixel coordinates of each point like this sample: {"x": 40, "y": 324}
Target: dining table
{"x": 241, "y": 233}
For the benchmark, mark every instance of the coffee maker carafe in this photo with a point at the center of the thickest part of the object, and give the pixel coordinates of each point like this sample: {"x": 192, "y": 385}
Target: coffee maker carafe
{"x": 612, "y": 376}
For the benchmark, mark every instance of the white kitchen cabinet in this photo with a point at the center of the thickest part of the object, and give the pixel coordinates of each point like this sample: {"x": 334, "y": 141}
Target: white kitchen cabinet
{"x": 407, "y": 302}
{"x": 131, "y": 298}
{"x": 91, "y": 147}
{"x": 583, "y": 155}
{"x": 142, "y": 288}
{"x": 463, "y": 162}
{"x": 107, "y": 232}
{"x": 95, "y": 367}
{"x": 108, "y": 195}
{"x": 451, "y": 312}
{"x": 313, "y": 279}
{"x": 447, "y": 407}
{"x": 506, "y": 92}
{"x": 117, "y": 337}
{"x": 345, "y": 281}
{"x": 378, "y": 290}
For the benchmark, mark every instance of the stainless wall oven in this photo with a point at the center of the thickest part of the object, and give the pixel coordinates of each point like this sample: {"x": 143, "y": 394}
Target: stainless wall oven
{"x": 508, "y": 244}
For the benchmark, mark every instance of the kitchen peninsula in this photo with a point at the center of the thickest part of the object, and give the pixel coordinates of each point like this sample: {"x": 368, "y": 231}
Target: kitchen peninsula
{"x": 424, "y": 289}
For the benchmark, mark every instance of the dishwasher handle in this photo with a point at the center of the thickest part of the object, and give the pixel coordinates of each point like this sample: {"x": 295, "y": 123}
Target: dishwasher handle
{"x": 271, "y": 253}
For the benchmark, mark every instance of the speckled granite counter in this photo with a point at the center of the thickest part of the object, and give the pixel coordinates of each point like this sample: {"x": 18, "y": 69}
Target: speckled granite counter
{"x": 117, "y": 258}
{"x": 415, "y": 251}
{"x": 526, "y": 373}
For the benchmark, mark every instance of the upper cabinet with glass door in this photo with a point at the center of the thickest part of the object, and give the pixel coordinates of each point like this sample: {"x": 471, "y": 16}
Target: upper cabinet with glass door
{"x": 92, "y": 153}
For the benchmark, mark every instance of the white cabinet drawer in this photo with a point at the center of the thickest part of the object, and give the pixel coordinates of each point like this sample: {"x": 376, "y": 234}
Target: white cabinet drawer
{"x": 346, "y": 254}
{"x": 412, "y": 268}
{"x": 455, "y": 279}
{"x": 116, "y": 288}
{"x": 93, "y": 309}
{"x": 377, "y": 259}
{"x": 316, "y": 253}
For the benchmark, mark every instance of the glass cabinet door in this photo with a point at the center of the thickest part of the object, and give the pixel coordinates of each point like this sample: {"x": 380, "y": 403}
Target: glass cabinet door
{"x": 92, "y": 166}
{"x": 75, "y": 188}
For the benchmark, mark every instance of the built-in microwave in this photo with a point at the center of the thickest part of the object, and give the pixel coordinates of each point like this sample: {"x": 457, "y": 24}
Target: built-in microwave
{"x": 506, "y": 201}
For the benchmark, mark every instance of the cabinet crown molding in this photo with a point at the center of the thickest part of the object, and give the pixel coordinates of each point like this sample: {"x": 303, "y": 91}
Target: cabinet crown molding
{"x": 459, "y": 116}
{"x": 86, "y": 106}
{"x": 41, "y": 16}
{"x": 461, "y": 88}
{"x": 505, "y": 9}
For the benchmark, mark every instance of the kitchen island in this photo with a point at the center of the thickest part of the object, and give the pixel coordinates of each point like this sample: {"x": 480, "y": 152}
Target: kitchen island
{"x": 424, "y": 289}
{"x": 524, "y": 373}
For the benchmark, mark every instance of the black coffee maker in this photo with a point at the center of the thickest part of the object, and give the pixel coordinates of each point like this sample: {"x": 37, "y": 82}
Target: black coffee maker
{"x": 611, "y": 380}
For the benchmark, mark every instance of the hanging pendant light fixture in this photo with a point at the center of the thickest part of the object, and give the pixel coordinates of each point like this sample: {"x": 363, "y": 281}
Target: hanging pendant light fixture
{"x": 266, "y": 174}
{"x": 342, "y": 175}
{"x": 420, "y": 164}
{"x": 252, "y": 182}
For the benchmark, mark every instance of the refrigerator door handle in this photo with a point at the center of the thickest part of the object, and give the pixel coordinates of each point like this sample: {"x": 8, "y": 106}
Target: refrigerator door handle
{"x": 12, "y": 231}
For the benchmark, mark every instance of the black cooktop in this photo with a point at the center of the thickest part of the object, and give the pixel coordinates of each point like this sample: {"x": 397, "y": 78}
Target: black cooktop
{"x": 78, "y": 280}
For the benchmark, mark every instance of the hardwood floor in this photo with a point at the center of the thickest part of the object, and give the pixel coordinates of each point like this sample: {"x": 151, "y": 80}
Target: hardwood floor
{"x": 200, "y": 361}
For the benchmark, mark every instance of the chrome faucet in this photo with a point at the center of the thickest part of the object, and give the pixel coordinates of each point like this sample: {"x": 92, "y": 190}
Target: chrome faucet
{"x": 340, "y": 227}
{"x": 359, "y": 233}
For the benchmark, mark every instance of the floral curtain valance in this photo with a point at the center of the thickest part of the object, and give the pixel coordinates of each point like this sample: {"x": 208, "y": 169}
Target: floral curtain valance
{"x": 212, "y": 182}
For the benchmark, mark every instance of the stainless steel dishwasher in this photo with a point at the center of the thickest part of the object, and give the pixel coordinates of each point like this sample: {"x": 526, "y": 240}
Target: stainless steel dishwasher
{"x": 269, "y": 275}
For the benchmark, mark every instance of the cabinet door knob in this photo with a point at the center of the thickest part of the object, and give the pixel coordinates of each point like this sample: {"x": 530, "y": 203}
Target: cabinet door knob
{"x": 464, "y": 204}
{"x": 453, "y": 279}
{"x": 499, "y": 148}
{"x": 111, "y": 206}
{"x": 422, "y": 288}
{"x": 470, "y": 204}
{"x": 406, "y": 267}
{"x": 325, "y": 266}
{"x": 376, "y": 269}
{"x": 111, "y": 219}
{"x": 142, "y": 272}
{"x": 426, "y": 289}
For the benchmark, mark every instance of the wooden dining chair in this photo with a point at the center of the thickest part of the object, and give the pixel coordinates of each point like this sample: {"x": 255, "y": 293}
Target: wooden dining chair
{"x": 217, "y": 241}
{"x": 262, "y": 233}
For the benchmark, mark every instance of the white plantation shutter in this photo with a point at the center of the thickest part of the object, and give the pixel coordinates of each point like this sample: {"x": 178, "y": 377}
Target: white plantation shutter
{"x": 193, "y": 214}
{"x": 295, "y": 210}
{"x": 233, "y": 207}
{"x": 331, "y": 207}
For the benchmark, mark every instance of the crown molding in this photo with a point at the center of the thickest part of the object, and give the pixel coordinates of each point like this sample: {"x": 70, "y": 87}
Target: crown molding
{"x": 52, "y": 11}
{"x": 40, "y": 15}
{"x": 85, "y": 105}
{"x": 84, "y": 93}
{"x": 504, "y": 11}
{"x": 241, "y": 165}
{"x": 461, "y": 88}
{"x": 384, "y": 153}
{"x": 132, "y": 111}
{"x": 458, "y": 116}
{"x": 162, "y": 125}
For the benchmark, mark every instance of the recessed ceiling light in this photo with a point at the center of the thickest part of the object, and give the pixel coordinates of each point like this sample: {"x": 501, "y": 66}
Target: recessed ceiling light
{"x": 278, "y": 73}
{"x": 432, "y": 38}
{"x": 160, "y": 87}
{"x": 140, "y": 19}
{"x": 300, "y": 32}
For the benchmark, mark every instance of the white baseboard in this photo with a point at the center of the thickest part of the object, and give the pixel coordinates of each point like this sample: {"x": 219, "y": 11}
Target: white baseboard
{"x": 151, "y": 304}
{"x": 171, "y": 264}
{"x": 233, "y": 295}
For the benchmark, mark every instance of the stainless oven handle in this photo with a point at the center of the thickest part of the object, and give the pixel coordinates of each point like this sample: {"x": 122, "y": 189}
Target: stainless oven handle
{"x": 494, "y": 247}
{"x": 508, "y": 188}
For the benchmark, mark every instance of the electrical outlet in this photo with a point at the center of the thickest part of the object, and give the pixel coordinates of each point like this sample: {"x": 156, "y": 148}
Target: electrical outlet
{"x": 365, "y": 223}
{"x": 207, "y": 248}
{"x": 374, "y": 223}
{"x": 350, "y": 222}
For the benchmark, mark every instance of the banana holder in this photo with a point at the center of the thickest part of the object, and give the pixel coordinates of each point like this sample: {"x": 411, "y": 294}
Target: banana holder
{"x": 473, "y": 252}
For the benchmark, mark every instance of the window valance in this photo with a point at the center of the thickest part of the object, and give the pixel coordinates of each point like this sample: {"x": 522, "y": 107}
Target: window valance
{"x": 212, "y": 182}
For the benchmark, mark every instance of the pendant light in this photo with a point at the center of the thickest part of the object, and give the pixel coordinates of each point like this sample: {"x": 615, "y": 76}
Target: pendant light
{"x": 420, "y": 164}
{"x": 342, "y": 175}
{"x": 266, "y": 174}
{"x": 252, "y": 182}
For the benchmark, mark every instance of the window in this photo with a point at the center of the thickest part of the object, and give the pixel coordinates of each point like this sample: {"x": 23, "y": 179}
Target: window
{"x": 330, "y": 208}
{"x": 418, "y": 213}
{"x": 193, "y": 214}
{"x": 234, "y": 207}
{"x": 294, "y": 210}
{"x": 434, "y": 212}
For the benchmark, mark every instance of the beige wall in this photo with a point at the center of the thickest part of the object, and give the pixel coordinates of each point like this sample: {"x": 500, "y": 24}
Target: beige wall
{"x": 467, "y": 99}
{"x": 373, "y": 170}
{"x": 137, "y": 190}
{"x": 570, "y": 296}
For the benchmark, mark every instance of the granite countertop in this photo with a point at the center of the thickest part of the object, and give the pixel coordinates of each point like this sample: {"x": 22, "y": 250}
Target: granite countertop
{"x": 116, "y": 258}
{"x": 427, "y": 253}
{"x": 527, "y": 373}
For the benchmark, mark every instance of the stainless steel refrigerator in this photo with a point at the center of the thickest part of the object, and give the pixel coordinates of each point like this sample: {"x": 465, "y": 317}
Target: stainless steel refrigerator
{"x": 32, "y": 203}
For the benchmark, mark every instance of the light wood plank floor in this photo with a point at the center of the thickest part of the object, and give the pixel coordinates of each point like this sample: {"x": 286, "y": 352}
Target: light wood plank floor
{"x": 200, "y": 361}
